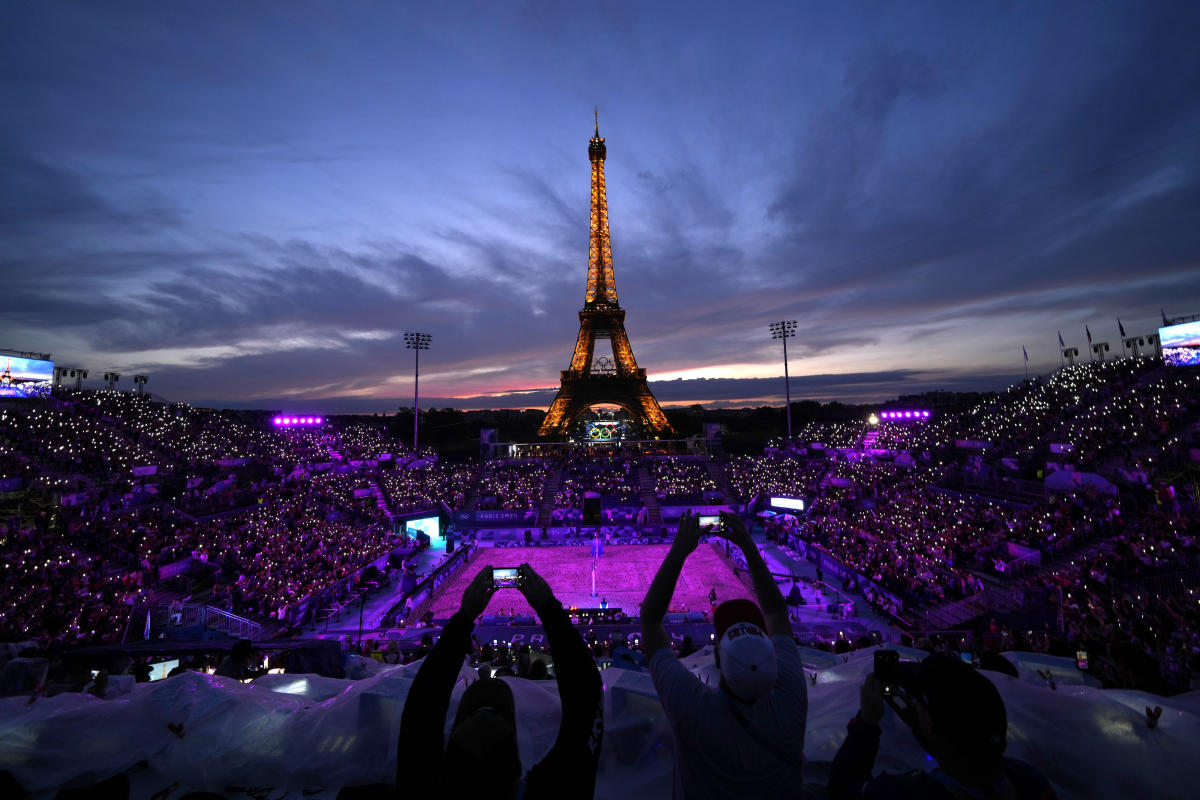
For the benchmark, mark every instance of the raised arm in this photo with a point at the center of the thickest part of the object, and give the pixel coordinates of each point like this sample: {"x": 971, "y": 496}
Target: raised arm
{"x": 658, "y": 596}
{"x": 423, "y": 721}
{"x": 766, "y": 591}
{"x": 575, "y": 756}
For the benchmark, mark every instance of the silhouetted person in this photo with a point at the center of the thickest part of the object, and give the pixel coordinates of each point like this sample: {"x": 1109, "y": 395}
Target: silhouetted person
{"x": 958, "y": 717}
{"x": 481, "y": 757}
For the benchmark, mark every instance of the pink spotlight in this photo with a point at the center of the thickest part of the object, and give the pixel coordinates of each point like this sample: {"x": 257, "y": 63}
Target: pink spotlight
{"x": 907, "y": 413}
{"x": 318, "y": 420}
{"x": 924, "y": 413}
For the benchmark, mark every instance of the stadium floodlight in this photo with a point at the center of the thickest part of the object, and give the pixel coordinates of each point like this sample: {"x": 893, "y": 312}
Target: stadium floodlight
{"x": 140, "y": 380}
{"x": 785, "y": 330}
{"x": 416, "y": 342}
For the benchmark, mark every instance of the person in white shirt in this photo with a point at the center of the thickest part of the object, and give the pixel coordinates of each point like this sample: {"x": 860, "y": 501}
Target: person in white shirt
{"x": 745, "y": 737}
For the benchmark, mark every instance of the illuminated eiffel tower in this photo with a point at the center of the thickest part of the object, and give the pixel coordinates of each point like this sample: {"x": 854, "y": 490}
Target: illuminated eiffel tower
{"x": 594, "y": 378}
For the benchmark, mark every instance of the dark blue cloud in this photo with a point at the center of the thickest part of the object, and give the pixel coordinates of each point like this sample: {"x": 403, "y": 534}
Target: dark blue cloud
{"x": 257, "y": 203}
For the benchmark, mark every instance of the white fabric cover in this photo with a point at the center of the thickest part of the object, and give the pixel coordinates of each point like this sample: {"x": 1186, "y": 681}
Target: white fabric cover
{"x": 303, "y": 734}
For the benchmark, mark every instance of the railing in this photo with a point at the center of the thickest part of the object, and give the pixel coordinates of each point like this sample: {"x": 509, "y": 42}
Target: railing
{"x": 423, "y": 591}
{"x": 974, "y": 605}
{"x": 182, "y": 615}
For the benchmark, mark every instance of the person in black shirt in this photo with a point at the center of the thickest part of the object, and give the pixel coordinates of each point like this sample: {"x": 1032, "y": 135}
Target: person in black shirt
{"x": 481, "y": 757}
{"x": 958, "y": 717}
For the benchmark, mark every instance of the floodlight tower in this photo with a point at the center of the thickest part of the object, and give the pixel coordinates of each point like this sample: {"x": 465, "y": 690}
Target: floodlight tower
{"x": 416, "y": 342}
{"x": 785, "y": 330}
{"x": 140, "y": 380}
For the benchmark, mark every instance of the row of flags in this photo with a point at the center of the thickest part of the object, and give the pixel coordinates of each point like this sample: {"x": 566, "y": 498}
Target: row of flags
{"x": 1088, "y": 331}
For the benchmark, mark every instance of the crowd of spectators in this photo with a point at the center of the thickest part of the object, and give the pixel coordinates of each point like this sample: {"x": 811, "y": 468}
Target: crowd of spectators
{"x": 513, "y": 486}
{"x": 749, "y": 476}
{"x": 290, "y": 525}
{"x": 834, "y": 435}
{"x": 683, "y": 478}
{"x": 616, "y": 479}
{"x": 425, "y": 484}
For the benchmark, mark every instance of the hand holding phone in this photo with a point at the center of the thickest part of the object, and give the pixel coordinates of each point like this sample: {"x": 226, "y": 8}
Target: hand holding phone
{"x": 477, "y": 594}
{"x": 534, "y": 587}
{"x": 887, "y": 671}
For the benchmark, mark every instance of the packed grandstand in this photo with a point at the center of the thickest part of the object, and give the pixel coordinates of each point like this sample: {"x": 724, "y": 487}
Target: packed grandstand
{"x": 1055, "y": 520}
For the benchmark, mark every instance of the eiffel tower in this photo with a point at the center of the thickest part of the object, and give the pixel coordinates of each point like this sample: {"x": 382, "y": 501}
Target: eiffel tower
{"x": 593, "y": 379}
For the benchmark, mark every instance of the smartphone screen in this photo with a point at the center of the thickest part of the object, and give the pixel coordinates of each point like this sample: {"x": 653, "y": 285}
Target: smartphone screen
{"x": 887, "y": 670}
{"x": 1081, "y": 660}
{"x": 966, "y": 657}
{"x": 505, "y": 578}
{"x": 709, "y": 520}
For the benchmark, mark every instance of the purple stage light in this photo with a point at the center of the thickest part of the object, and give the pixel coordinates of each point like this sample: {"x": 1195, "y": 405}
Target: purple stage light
{"x": 290, "y": 421}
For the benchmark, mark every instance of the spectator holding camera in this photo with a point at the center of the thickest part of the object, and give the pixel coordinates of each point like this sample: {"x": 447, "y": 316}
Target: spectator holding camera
{"x": 745, "y": 737}
{"x": 959, "y": 718}
{"x": 481, "y": 757}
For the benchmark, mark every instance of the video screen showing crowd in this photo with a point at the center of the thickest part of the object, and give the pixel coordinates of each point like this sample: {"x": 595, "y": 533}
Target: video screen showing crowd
{"x": 1055, "y": 522}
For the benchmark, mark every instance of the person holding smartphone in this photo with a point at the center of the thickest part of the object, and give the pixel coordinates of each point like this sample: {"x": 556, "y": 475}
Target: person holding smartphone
{"x": 745, "y": 737}
{"x": 481, "y": 758}
{"x": 956, "y": 714}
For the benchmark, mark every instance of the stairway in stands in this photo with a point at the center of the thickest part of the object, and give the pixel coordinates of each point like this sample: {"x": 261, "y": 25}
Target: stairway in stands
{"x": 380, "y": 498}
{"x": 330, "y": 443}
{"x": 649, "y": 498}
{"x": 868, "y": 440}
{"x": 717, "y": 472}
{"x": 553, "y": 484}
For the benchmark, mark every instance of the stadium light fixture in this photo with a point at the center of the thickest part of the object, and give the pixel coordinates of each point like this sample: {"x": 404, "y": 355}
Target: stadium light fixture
{"x": 416, "y": 342}
{"x": 784, "y": 330}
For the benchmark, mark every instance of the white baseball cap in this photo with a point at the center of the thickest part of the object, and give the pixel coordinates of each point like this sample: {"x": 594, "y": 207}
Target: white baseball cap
{"x": 748, "y": 663}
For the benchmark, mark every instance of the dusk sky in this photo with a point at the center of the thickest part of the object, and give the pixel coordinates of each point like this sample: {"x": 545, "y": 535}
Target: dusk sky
{"x": 251, "y": 202}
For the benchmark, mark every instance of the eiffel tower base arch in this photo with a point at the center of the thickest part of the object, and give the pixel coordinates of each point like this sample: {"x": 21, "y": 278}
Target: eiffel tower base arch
{"x": 576, "y": 395}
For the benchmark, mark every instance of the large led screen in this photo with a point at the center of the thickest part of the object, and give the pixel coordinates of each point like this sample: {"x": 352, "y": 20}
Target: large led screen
{"x": 430, "y": 526}
{"x": 792, "y": 503}
{"x": 1181, "y": 344}
{"x": 26, "y": 369}
{"x": 25, "y": 377}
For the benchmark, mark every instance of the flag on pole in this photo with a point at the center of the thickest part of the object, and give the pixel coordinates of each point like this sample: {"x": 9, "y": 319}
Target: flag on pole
{"x": 1166, "y": 322}
{"x": 1089, "y": 333}
{"x": 1061, "y": 343}
{"x": 1026, "y": 352}
{"x": 1121, "y": 327}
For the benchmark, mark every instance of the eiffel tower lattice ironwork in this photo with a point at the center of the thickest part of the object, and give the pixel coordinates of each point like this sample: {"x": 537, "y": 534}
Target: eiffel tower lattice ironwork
{"x": 595, "y": 378}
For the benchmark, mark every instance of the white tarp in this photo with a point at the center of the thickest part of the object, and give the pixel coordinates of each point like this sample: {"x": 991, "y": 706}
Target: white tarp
{"x": 309, "y": 736}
